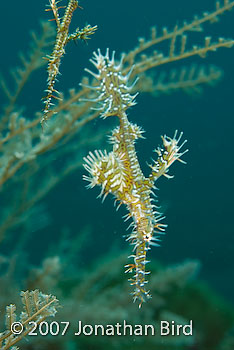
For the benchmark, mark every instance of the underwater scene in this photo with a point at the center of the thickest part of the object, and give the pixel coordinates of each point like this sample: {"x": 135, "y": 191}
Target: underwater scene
{"x": 116, "y": 175}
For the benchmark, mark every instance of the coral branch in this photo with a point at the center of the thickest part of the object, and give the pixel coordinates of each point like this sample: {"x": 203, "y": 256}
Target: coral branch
{"x": 194, "y": 25}
{"x": 29, "y": 64}
{"x": 190, "y": 80}
{"x": 158, "y": 59}
{"x": 36, "y": 307}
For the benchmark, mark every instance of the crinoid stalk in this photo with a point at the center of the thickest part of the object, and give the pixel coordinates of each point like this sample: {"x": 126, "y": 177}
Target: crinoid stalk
{"x": 118, "y": 172}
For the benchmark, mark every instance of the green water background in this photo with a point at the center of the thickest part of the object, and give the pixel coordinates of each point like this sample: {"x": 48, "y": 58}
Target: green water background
{"x": 198, "y": 202}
